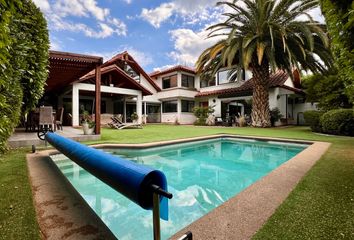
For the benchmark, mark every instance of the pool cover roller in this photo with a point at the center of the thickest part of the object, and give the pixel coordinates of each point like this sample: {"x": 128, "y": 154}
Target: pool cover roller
{"x": 130, "y": 179}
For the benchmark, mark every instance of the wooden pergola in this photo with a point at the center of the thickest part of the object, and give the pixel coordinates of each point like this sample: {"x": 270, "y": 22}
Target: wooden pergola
{"x": 66, "y": 68}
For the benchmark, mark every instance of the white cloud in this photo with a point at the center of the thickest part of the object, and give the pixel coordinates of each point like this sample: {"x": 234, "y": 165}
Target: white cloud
{"x": 80, "y": 8}
{"x": 99, "y": 13}
{"x": 65, "y": 8}
{"x": 128, "y": 1}
{"x": 158, "y": 15}
{"x": 191, "y": 12}
{"x": 315, "y": 13}
{"x": 163, "y": 67}
{"x": 189, "y": 45}
{"x": 55, "y": 44}
{"x": 57, "y": 12}
{"x": 42, "y": 4}
{"x": 142, "y": 58}
{"x": 187, "y": 7}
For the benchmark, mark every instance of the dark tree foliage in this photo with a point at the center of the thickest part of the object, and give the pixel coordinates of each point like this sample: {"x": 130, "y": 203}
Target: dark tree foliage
{"x": 327, "y": 89}
{"x": 340, "y": 23}
{"x": 24, "y": 48}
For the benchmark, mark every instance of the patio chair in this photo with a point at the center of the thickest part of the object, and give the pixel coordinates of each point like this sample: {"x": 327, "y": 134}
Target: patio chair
{"x": 46, "y": 121}
{"x": 32, "y": 121}
{"x": 59, "y": 119}
{"x": 218, "y": 121}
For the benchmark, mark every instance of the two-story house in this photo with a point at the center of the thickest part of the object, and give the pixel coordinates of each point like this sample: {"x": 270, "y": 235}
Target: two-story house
{"x": 169, "y": 96}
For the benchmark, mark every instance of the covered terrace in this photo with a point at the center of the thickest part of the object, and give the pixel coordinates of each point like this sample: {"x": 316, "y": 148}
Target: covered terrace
{"x": 66, "y": 68}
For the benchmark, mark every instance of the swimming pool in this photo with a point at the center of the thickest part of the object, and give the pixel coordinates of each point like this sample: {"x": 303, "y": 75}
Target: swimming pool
{"x": 201, "y": 175}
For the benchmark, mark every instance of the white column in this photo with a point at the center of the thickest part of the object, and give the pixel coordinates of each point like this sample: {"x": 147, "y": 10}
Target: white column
{"x": 179, "y": 109}
{"x": 139, "y": 107}
{"x": 145, "y": 109}
{"x": 179, "y": 79}
{"x": 125, "y": 110}
{"x": 75, "y": 106}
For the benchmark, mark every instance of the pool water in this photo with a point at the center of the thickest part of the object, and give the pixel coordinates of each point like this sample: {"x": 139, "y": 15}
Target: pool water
{"x": 201, "y": 176}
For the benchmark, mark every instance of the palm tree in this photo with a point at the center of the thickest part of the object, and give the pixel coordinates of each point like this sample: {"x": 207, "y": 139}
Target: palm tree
{"x": 264, "y": 36}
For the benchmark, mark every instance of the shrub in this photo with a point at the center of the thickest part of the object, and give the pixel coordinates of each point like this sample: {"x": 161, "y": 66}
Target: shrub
{"x": 328, "y": 89}
{"x": 134, "y": 116}
{"x": 338, "y": 122}
{"x": 242, "y": 121}
{"x": 275, "y": 115}
{"x": 202, "y": 114}
{"x": 312, "y": 118}
{"x": 24, "y": 48}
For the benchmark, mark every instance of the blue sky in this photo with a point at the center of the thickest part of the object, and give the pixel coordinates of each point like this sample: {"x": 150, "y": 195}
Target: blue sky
{"x": 157, "y": 33}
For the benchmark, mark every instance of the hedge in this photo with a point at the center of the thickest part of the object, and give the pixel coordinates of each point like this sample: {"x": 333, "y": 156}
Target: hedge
{"x": 338, "y": 122}
{"x": 24, "y": 45}
{"x": 312, "y": 118}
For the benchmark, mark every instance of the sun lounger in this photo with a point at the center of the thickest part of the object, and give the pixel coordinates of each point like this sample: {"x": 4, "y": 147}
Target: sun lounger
{"x": 118, "y": 124}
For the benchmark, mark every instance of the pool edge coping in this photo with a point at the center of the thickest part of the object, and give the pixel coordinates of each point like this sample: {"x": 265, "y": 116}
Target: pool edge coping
{"x": 209, "y": 225}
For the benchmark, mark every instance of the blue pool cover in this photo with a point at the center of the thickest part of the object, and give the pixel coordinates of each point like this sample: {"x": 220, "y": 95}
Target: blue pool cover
{"x": 130, "y": 179}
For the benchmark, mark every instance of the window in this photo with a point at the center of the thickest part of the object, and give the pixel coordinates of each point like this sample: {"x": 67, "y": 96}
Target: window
{"x": 299, "y": 100}
{"x": 207, "y": 82}
{"x": 187, "y": 81}
{"x": 187, "y": 106}
{"x": 169, "y": 107}
{"x": 169, "y": 82}
{"x": 223, "y": 76}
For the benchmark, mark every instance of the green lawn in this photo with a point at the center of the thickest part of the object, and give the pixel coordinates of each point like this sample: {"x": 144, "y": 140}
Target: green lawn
{"x": 17, "y": 215}
{"x": 320, "y": 207}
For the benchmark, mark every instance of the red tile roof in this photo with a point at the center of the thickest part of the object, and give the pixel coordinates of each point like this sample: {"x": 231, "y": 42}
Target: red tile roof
{"x": 173, "y": 69}
{"x": 125, "y": 56}
{"x": 276, "y": 80}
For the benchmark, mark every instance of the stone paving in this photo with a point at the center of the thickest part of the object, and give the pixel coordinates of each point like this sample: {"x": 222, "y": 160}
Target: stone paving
{"x": 21, "y": 138}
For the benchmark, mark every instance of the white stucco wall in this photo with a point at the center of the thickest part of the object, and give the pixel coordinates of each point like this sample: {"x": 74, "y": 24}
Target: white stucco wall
{"x": 273, "y": 101}
{"x": 145, "y": 83}
{"x": 301, "y": 108}
{"x": 175, "y": 93}
{"x": 169, "y": 117}
{"x": 187, "y": 118}
{"x": 216, "y": 103}
{"x": 289, "y": 82}
{"x": 149, "y": 98}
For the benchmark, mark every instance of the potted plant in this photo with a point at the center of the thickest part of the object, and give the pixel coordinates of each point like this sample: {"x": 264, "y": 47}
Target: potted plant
{"x": 275, "y": 116}
{"x": 134, "y": 117}
{"x": 87, "y": 124}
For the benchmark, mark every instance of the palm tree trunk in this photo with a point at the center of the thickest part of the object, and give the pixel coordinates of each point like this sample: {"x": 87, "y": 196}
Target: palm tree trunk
{"x": 260, "y": 102}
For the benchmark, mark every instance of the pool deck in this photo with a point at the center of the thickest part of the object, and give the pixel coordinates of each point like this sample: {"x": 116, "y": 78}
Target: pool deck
{"x": 21, "y": 138}
{"x": 63, "y": 214}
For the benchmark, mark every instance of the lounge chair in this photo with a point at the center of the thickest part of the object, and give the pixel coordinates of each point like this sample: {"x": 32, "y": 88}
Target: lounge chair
{"x": 118, "y": 124}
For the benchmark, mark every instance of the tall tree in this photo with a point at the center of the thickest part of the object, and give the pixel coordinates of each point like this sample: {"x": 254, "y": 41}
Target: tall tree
{"x": 340, "y": 23}
{"x": 264, "y": 36}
